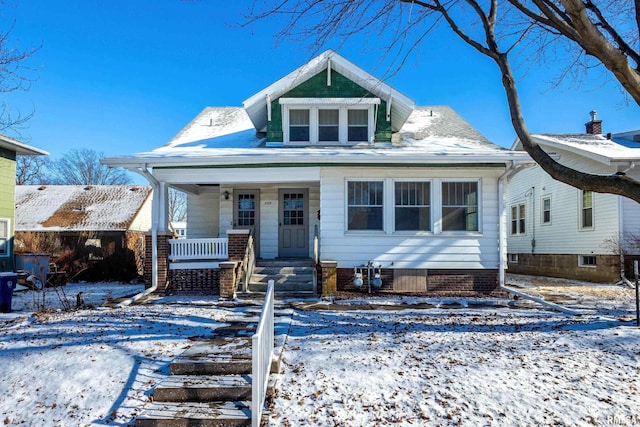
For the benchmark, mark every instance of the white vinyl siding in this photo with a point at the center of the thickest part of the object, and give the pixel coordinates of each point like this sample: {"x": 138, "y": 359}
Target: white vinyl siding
{"x": 408, "y": 250}
{"x": 203, "y": 211}
{"x": 565, "y": 212}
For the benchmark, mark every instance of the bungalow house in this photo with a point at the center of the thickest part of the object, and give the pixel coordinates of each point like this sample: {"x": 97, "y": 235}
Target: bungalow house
{"x": 9, "y": 149}
{"x": 560, "y": 231}
{"x": 332, "y": 165}
{"x": 96, "y": 231}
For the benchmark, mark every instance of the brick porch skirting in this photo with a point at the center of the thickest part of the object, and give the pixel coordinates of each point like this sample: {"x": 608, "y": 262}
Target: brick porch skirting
{"x": 202, "y": 281}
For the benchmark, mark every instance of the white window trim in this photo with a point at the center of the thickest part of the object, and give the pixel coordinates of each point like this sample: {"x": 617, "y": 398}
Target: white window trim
{"x": 393, "y": 209}
{"x": 343, "y": 105}
{"x": 593, "y": 211}
{"x": 388, "y": 208}
{"x": 8, "y": 238}
{"x": 582, "y": 264}
{"x": 519, "y": 231}
{"x": 542, "y": 199}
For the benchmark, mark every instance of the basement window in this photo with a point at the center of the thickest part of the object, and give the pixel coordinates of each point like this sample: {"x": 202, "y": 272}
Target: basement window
{"x": 513, "y": 258}
{"x": 587, "y": 261}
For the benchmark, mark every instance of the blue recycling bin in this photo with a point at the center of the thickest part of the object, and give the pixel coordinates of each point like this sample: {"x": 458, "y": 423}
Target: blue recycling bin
{"x": 8, "y": 283}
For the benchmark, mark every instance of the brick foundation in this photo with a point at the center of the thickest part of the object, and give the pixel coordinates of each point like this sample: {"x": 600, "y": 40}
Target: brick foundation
{"x": 203, "y": 281}
{"x": 439, "y": 282}
{"x": 607, "y": 269}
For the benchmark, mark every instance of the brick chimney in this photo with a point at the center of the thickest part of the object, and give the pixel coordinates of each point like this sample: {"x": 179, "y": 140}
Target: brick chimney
{"x": 594, "y": 127}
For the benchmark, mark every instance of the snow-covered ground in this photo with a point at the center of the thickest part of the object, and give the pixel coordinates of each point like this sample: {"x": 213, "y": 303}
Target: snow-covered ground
{"x": 344, "y": 365}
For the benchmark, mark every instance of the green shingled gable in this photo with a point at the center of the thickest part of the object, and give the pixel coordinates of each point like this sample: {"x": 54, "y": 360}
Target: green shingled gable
{"x": 316, "y": 87}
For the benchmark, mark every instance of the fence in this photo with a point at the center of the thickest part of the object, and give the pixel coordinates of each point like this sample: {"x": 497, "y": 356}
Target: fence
{"x": 262, "y": 353}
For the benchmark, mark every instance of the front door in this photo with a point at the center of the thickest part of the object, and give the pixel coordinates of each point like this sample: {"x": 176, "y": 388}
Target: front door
{"x": 293, "y": 241}
{"x": 246, "y": 213}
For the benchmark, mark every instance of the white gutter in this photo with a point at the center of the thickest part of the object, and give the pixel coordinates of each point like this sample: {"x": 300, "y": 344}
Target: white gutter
{"x": 144, "y": 171}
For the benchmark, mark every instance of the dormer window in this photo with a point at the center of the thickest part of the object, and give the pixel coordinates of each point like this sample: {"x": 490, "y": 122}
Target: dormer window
{"x": 329, "y": 121}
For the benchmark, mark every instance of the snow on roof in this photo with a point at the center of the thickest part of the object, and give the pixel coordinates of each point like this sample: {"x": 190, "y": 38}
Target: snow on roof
{"x": 401, "y": 105}
{"x": 78, "y": 207}
{"x": 597, "y": 147}
{"x": 429, "y": 129}
{"x": 430, "y": 134}
{"x": 440, "y": 128}
{"x": 213, "y": 123}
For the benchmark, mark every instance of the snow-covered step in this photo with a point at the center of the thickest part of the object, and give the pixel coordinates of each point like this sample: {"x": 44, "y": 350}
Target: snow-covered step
{"x": 219, "y": 356}
{"x": 189, "y": 388}
{"x": 187, "y": 414}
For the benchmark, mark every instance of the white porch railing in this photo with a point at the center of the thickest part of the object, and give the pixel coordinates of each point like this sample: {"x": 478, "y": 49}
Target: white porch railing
{"x": 199, "y": 249}
{"x": 262, "y": 353}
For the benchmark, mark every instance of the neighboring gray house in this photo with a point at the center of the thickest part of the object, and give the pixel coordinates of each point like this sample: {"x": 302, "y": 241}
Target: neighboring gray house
{"x": 330, "y": 163}
{"x": 560, "y": 231}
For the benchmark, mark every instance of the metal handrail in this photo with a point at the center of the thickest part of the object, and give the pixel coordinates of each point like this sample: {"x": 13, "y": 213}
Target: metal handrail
{"x": 262, "y": 353}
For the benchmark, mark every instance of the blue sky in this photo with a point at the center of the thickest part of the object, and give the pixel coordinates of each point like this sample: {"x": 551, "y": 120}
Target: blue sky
{"x": 123, "y": 76}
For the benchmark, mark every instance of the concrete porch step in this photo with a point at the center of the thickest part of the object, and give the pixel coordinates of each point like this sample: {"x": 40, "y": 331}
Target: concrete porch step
{"x": 218, "y": 356}
{"x": 189, "y": 388}
{"x": 190, "y": 414}
{"x": 290, "y": 288}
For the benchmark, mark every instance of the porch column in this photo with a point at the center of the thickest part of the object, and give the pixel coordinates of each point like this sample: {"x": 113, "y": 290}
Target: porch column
{"x": 228, "y": 279}
{"x": 163, "y": 260}
{"x": 329, "y": 277}
{"x": 163, "y": 206}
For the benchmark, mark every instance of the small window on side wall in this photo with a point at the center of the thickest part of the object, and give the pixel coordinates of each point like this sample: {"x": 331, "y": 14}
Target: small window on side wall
{"x": 4, "y": 237}
{"x": 587, "y": 261}
{"x": 586, "y": 209}
{"x": 546, "y": 210}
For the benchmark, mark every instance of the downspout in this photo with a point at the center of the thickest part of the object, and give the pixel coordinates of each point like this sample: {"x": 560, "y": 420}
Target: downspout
{"x": 155, "y": 220}
{"x": 623, "y": 277}
{"x": 502, "y": 250}
{"x": 502, "y": 227}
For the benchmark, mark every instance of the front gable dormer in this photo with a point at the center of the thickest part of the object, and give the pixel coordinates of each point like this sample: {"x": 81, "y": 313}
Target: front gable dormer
{"x": 328, "y": 101}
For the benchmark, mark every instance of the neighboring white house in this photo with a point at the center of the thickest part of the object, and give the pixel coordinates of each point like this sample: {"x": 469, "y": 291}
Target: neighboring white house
{"x": 330, "y": 151}
{"x": 560, "y": 231}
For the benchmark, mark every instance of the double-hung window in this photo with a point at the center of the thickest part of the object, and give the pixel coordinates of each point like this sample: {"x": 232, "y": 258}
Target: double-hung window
{"x": 299, "y": 125}
{"x": 518, "y": 219}
{"x": 412, "y": 206}
{"x": 4, "y": 237}
{"x": 328, "y": 125}
{"x": 460, "y": 206}
{"x": 586, "y": 209}
{"x": 365, "y": 205}
{"x": 546, "y": 210}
